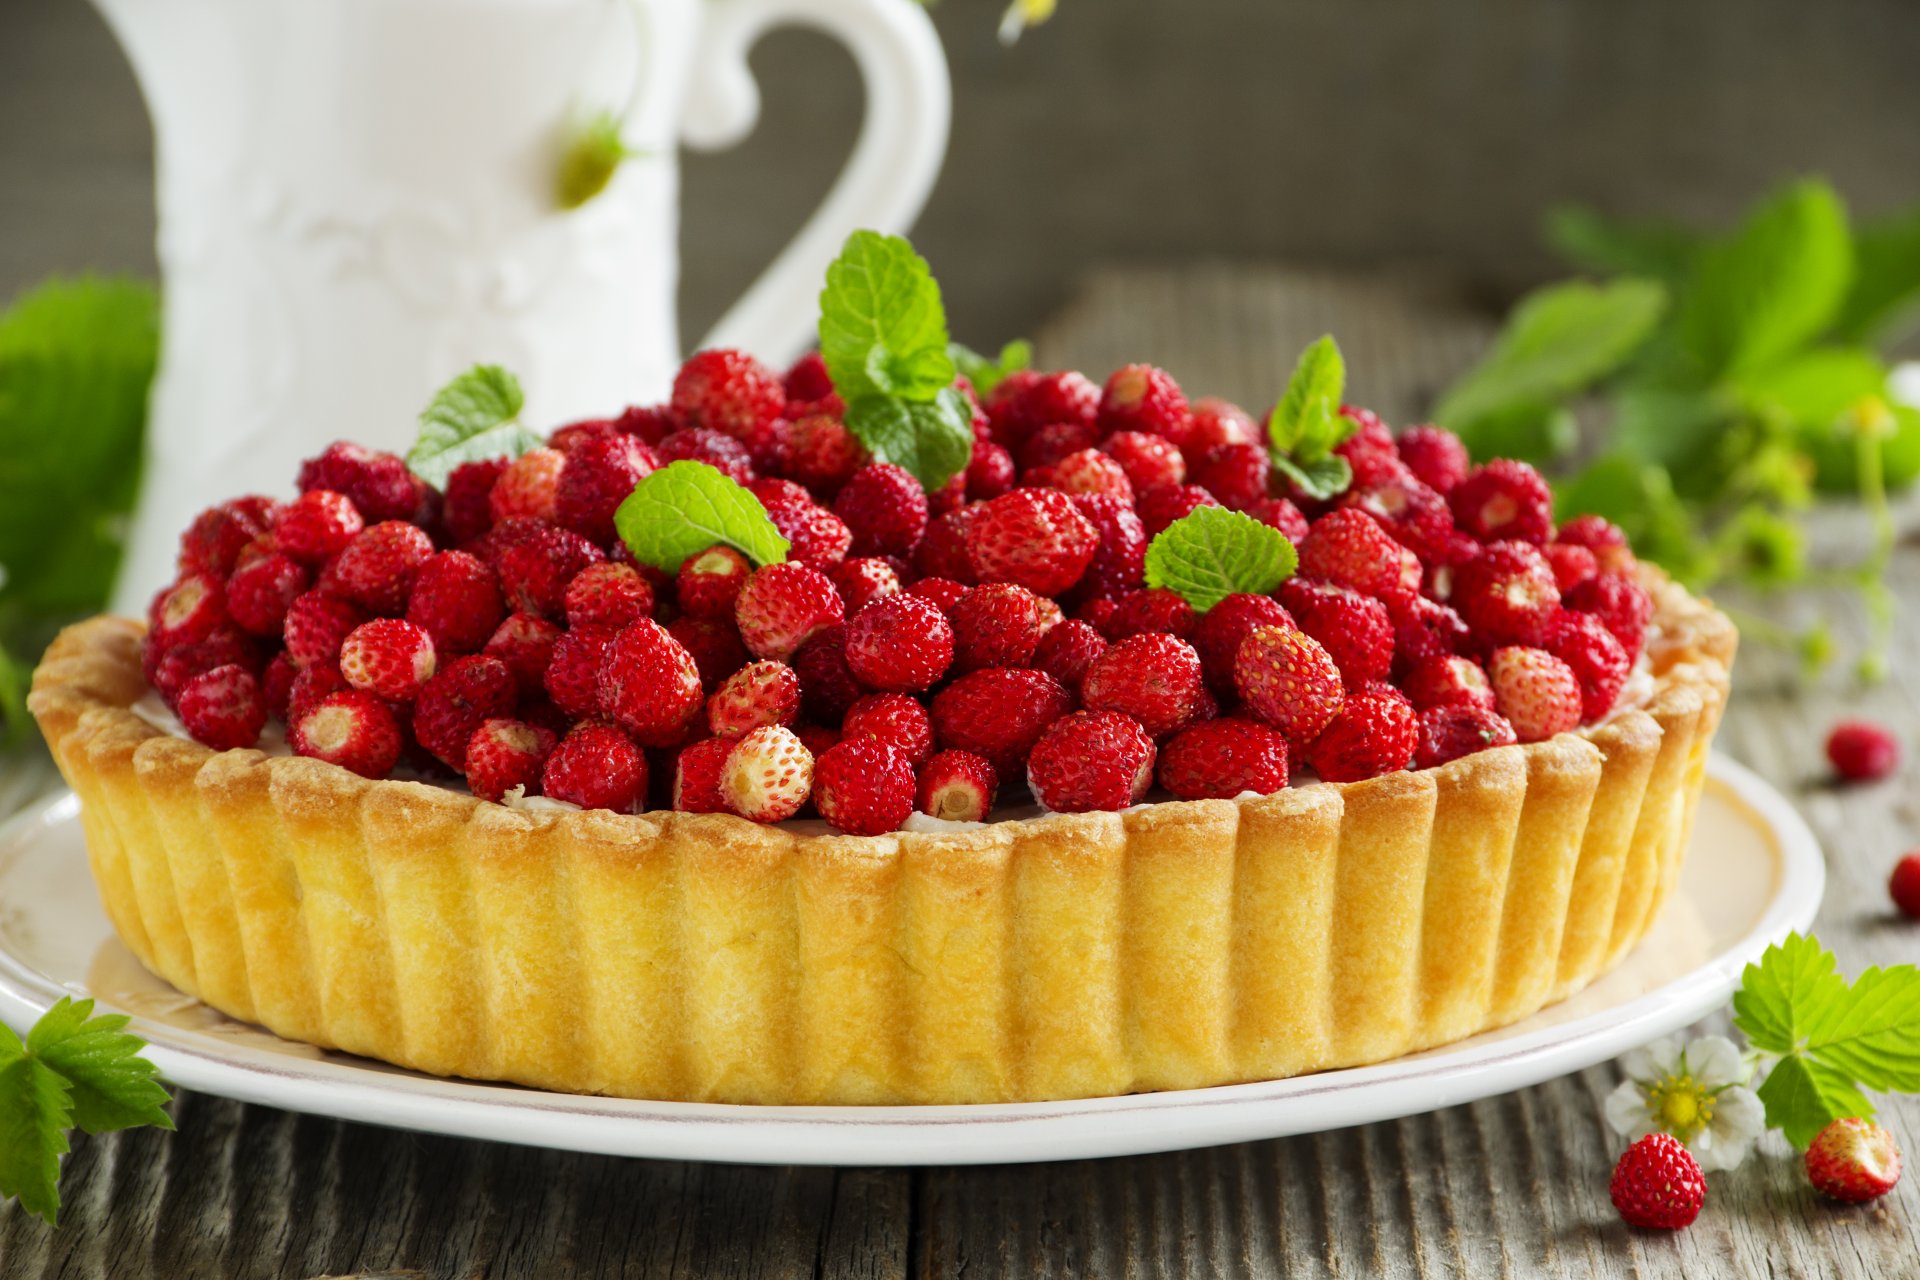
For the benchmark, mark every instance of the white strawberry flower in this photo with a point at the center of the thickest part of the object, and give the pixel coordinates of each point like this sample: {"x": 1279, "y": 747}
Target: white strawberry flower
{"x": 1697, "y": 1092}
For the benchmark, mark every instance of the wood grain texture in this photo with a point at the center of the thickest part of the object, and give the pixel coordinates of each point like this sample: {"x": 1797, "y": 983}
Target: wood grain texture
{"x": 1512, "y": 1186}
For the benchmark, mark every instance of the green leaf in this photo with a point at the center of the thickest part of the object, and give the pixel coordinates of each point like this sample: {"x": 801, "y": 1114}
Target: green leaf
{"x": 932, "y": 440}
{"x": 1793, "y": 983}
{"x": 686, "y": 507}
{"x": 1536, "y": 433}
{"x": 35, "y": 1114}
{"x": 592, "y": 154}
{"x": 475, "y": 416}
{"x": 1815, "y": 388}
{"x": 1321, "y": 479}
{"x": 1558, "y": 341}
{"x": 113, "y": 1086}
{"x": 883, "y": 329}
{"x": 1611, "y": 246}
{"x": 1212, "y": 553}
{"x": 987, "y": 374}
{"x": 1802, "y": 1097}
{"x": 1837, "y": 461}
{"x": 1307, "y": 423}
{"x": 1873, "y": 1034}
{"x": 1667, "y": 426}
{"x": 1775, "y": 286}
{"x": 1886, "y": 281}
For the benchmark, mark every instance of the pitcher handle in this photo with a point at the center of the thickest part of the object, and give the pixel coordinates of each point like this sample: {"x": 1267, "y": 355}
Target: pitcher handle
{"x": 887, "y": 178}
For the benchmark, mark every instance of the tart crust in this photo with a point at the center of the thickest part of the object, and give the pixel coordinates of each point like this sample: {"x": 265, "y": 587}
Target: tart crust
{"x": 706, "y": 958}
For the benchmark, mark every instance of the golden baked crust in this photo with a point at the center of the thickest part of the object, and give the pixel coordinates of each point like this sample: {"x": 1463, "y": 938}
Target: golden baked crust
{"x": 703, "y": 957}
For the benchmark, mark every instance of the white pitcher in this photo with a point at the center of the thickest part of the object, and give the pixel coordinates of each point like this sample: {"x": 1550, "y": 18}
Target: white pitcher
{"x": 356, "y": 202}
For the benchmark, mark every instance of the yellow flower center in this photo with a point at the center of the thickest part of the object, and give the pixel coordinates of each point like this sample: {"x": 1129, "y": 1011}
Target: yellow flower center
{"x": 1682, "y": 1107}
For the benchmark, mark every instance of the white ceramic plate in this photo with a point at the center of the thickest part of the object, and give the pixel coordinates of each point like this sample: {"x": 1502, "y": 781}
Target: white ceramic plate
{"x": 1753, "y": 874}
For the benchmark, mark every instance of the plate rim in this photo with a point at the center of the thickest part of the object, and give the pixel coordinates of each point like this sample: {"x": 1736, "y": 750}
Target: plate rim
{"x": 1133, "y": 1124}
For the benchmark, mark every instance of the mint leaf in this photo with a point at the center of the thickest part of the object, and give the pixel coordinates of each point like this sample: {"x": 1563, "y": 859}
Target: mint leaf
{"x": 1559, "y": 340}
{"x": 1321, "y": 479}
{"x": 113, "y": 1086}
{"x": 686, "y": 507}
{"x": 1780, "y": 996}
{"x": 1212, "y": 553}
{"x": 987, "y": 374}
{"x": 591, "y": 155}
{"x": 475, "y": 416}
{"x": 1306, "y": 424}
{"x": 1886, "y": 281}
{"x": 35, "y": 1114}
{"x": 883, "y": 329}
{"x": 1802, "y": 1097}
{"x": 932, "y": 440}
{"x": 1775, "y": 286}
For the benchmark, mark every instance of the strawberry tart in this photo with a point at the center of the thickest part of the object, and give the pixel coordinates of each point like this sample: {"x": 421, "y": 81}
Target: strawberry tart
{"x": 727, "y": 750}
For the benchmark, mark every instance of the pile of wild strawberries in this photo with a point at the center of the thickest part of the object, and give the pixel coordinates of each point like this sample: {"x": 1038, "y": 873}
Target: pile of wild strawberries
{"x": 915, "y": 650}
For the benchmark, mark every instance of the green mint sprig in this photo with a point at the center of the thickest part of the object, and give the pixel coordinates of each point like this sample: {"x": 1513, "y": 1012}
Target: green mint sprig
{"x": 1833, "y": 1040}
{"x": 883, "y": 336}
{"x": 73, "y": 1069}
{"x": 472, "y": 418}
{"x": 686, "y": 507}
{"x": 1212, "y": 553}
{"x": 1306, "y": 425}
{"x": 987, "y": 374}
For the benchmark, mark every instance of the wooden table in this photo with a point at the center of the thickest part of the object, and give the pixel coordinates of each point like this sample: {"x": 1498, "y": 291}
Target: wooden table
{"x": 1510, "y": 1186}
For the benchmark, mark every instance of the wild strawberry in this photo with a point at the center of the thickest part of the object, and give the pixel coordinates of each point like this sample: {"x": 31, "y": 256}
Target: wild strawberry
{"x": 503, "y": 754}
{"x": 783, "y": 604}
{"x": 1903, "y": 886}
{"x": 943, "y": 592}
{"x": 572, "y": 677}
{"x": 1097, "y": 612}
{"x": 900, "y": 643}
{"x": 1234, "y": 473}
{"x": 577, "y": 434}
{"x": 1658, "y": 1184}
{"x": 597, "y": 478}
{"x": 529, "y": 488}
{"x": 1412, "y": 514}
{"x": 1375, "y": 733}
{"x": 1218, "y": 634}
{"x": 1146, "y": 460}
{"x": 996, "y": 624}
{"x": 316, "y": 526}
{"x": 1141, "y": 398}
{"x": 730, "y": 392}
{"x": 525, "y": 643}
{"x": 721, "y": 452}
{"x": 1622, "y": 605}
{"x": 1067, "y": 650}
{"x": 1854, "y": 1160}
{"x": 767, "y": 775}
{"x": 213, "y": 542}
{"x": 863, "y": 787}
{"x": 596, "y": 767}
{"x": 276, "y": 684}
{"x": 1507, "y": 593}
{"x": 223, "y": 708}
{"x": 1595, "y": 657}
{"x": 1596, "y": 533}
{"x": 1119, "y": 560}
{"x": 388, "y": 657}
{"x": 1371, "y": 439}
{"x": 259, "y": 593}
{"x": 1220, "y": 759}
{"x": 1152, "y": 677}
{"x": 709, "y": 583}
{"x": 1216, "y": 422}
{"x": 943, "y": 552}
{"x": 378, "y": 483}
{"x": 757, "y": 694}
{"x": 1446, "y": 680}
{"x": 817, "y": 536}
{"x": 990, "y": 473}
{"x": 172, "y": 667}
{"x": 1504, "y": 501}
{"x": 895, "y": 719}
{"x": 827, "y": 683}
{"x": 317, "y": 625}
{"x": 1091, "y": 760}
{"x": 696, "y": 776}
{"x": 188, "y": 611}
{"x": 1355, "y": 629}
{"x": 956, "y": 786}
{"x": 1350, "y": 548}
{"x": 650, "y": 685}
{"x": 607, "y": 595}
{"x": 1288, "y": 680}
{"x": 468, "y": 510}
{"x": 715, "y": 646}
{"x": 999, "y": 713}
{"x": 1045, "y": 449}
{"x": 1030, "y": 400}
{"x": 1035, "y": 538}
{"x": 820, "y": 453}
{"x": 1091, "y": 471}
{"x": 808, "y": 379}
{"x": 1281, "y": 514}
{"x": 377, "y": 568}
{"x": 861, "y": 580}
{"x": 1436, "y": 455}
{"x": 352, "y": 729}
{"x": 1537, "y": 692}
{"x": 1451, "y": 730}
{"x": 1160, "y": 507}
{"x": 461, "y": 697}
{"x": 535, "y": 562}
{"x": 1423, "y": 628}
{"x": 1151, "y": 609}
{"x": 1862, "y": 751}
{"x": 455, "y": 599}
{"x": 884, "y": 507}
{"x": 310, "y": 685}
{"x": 1571, "y": 565}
